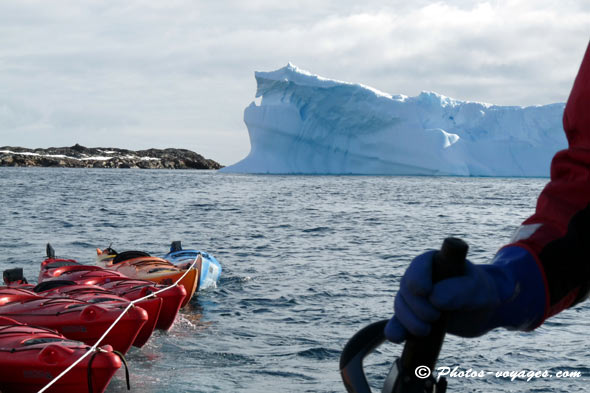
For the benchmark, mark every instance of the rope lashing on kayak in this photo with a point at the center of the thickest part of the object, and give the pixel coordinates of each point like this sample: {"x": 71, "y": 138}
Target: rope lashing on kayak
{"x": 89, "y": 368}
{"x": 124, "y": 361}
{"x": 131, "y": 304}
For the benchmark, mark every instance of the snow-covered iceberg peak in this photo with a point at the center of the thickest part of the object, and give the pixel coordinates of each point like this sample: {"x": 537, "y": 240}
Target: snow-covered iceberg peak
{"x": 313, "y": 125}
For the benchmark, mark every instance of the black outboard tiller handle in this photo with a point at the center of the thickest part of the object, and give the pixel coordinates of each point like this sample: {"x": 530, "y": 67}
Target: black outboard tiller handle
{"x": 418, "y": 351}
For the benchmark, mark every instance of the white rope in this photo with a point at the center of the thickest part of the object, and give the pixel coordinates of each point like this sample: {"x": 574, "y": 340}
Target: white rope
{"x": 131, "y": 303}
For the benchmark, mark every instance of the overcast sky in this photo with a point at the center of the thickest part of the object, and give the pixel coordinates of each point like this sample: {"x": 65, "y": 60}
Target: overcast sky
{"x": 140, "y": 74}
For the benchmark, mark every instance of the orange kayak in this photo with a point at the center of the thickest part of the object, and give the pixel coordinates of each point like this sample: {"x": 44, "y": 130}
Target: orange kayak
{"x": 142, "y": 266}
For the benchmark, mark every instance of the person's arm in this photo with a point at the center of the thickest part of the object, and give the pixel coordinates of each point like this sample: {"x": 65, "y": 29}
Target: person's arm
{"x": 545, "y": 268}
{"x": 558, "y": 234}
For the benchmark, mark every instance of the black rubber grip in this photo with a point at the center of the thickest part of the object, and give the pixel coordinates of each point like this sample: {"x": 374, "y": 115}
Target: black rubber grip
{"x": 423, "y": 351}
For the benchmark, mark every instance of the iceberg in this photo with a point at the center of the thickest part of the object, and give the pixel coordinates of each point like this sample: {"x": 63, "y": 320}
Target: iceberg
{"x": 307, "y": 124}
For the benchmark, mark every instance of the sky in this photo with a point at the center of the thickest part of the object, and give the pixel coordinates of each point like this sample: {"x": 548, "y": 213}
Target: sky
{"x": 142, "y": 74}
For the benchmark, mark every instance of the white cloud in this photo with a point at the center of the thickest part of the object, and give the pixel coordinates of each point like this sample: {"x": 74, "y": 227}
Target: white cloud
{"x": 179, "y": 73}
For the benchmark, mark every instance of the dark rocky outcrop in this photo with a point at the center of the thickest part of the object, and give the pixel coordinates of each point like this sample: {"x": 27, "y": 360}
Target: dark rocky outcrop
{"x": 78, "y": 156}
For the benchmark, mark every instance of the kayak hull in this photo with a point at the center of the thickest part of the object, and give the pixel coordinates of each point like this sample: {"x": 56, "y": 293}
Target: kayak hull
{"x": 152, "y": 269}
{"x": 131, "y": 289}
{"x": 172, "y": 298}
{"x": 75, "y": 319}
{"x": 210, "y": 270}
{"x": 31, "y": 357}
{"x": 96, "y": 294}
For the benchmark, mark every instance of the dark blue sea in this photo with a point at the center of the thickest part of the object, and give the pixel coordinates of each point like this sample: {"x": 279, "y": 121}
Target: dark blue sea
{"x": 308, "y": 261}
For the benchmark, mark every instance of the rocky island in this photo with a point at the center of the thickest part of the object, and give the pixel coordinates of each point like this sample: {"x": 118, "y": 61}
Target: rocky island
{"x": 78, "y": 156}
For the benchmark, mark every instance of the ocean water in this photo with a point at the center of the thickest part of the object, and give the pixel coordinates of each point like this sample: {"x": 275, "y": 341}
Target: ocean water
{"x": 308, "y": 261}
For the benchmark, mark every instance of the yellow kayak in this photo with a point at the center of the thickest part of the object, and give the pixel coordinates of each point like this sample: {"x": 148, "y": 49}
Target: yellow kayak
{"x": 142, "y": 266}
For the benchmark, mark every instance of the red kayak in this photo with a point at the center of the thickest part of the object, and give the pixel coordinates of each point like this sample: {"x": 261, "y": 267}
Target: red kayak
{"x": 52, "y": 263}
{"x": 75, "y": 319}
{"x": 51, "y": 272}
{"x": 31, "y": 357}
{"x": 172, "y": 299}
{"x": 97, "y": 295}
{"x": 53, "y": 267}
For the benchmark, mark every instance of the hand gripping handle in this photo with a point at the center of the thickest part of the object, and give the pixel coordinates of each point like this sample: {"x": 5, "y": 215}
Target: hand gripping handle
{"x": 422, "y": 351}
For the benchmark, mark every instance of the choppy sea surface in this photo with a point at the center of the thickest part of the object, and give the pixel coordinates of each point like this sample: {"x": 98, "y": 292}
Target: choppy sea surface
{"x": 308, "y": 261}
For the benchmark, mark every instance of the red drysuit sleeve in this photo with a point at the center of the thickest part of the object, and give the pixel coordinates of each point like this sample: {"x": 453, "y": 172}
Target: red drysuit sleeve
{"x": 558, "y": 234}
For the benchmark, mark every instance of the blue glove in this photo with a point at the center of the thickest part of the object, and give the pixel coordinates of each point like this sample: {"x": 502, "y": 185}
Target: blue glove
{"x": 509, "y": 292}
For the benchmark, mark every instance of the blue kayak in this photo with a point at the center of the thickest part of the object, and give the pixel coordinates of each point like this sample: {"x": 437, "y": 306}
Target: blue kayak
{"x": 210, "y": 268}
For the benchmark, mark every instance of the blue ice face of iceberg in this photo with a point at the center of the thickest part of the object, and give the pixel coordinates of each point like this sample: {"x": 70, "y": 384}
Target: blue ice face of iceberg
{"x": 307, "y": 124}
